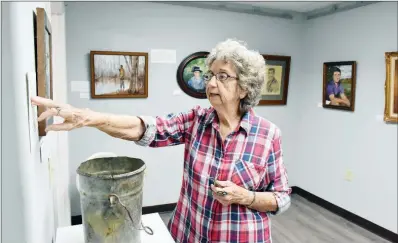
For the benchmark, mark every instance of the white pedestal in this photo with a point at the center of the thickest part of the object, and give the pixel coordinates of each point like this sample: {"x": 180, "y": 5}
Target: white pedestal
{"x": 161, "y": 234}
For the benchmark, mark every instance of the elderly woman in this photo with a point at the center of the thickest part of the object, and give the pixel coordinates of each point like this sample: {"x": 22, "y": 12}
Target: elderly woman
{"x": 234, "y": 177}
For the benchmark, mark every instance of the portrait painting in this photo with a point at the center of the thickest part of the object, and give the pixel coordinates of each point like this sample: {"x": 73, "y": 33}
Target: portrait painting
{"x": 43, "y": 52}
{"x": 119, "y": 74}
{"x": 190, "y": 75}
{"x": 391, "y": 87}
{"x": 276, "y": 80}
{"x": 339, "y": 80}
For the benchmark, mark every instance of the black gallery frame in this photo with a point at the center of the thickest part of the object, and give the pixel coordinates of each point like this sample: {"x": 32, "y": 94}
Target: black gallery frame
{"x": 180, "y": 74}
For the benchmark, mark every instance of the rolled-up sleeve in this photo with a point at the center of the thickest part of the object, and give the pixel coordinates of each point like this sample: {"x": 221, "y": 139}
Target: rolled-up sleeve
{"x": 150, "y": 131}
{"x": 168, "y": 130}
{"x": 278, "y": 174}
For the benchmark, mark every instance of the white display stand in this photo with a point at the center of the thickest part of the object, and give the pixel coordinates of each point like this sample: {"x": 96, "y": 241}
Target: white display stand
{"x": 74, "y": 234}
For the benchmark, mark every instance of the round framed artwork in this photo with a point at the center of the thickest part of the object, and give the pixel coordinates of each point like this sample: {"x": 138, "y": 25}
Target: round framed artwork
{"x": 190, "y": 75}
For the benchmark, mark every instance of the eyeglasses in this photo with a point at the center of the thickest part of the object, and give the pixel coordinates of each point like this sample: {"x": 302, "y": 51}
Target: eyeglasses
{"x": 222, "y": 77}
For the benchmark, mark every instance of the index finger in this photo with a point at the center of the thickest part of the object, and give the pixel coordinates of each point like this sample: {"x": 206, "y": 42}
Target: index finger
{"x": 224, "y": 183}
{"x": 37, "y": 100}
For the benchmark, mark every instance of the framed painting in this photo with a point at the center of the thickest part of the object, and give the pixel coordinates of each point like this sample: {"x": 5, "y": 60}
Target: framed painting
{"x": 44, "y": 77}
{"x": 190, "y": 75}
{"x": 339, "y": 81}
{"x": 119, "y": 74}
{"x": 276, "y": 80}
{"x": 391, "y": 87}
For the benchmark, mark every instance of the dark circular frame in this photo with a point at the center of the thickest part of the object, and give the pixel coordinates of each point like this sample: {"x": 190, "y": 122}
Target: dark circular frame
{"x": 180, "y": 75}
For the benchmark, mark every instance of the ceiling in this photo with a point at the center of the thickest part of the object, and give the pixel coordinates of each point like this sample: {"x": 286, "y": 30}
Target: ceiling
{"x": 301, "y": 7}
{"x": 281, "y": 9}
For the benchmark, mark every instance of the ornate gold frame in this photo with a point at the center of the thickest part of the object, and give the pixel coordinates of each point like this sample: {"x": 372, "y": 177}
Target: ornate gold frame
{"x": 390, "y": 58}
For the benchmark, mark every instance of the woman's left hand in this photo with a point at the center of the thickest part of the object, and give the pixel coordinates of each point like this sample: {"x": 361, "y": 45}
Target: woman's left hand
{"x": 235, "y": 194}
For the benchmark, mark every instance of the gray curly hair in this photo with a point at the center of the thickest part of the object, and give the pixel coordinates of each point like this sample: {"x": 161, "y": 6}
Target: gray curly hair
{"x": 250, "y": 68}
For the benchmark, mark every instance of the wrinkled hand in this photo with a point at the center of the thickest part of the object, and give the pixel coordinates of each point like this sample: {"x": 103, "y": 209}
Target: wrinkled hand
{"x": 73, "y": 117}
{"x": 235, "y": 193}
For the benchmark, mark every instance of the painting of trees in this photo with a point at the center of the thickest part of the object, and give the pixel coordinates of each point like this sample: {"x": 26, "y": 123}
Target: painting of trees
{"x": 119, "y": 74}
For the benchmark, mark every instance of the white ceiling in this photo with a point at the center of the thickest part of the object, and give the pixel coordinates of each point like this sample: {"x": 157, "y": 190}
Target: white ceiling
{"x": 290, "y": 6}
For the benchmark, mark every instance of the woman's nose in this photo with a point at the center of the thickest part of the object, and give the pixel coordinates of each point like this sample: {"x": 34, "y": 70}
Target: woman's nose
{"x": 212, "y": 82}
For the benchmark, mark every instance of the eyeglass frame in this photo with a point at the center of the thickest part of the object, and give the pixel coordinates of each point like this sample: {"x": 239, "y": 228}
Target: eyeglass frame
{"x": 216, "y": 75}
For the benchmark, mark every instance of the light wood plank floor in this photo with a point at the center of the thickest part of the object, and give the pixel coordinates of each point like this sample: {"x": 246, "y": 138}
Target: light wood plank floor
{"x": 306, "y": 222}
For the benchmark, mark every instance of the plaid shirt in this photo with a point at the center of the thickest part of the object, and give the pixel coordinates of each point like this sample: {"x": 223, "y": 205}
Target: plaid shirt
{"x": 251, "y": 157}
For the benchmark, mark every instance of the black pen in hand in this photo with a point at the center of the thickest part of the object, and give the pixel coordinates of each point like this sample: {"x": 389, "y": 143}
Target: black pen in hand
{"x": 269, "y": 186}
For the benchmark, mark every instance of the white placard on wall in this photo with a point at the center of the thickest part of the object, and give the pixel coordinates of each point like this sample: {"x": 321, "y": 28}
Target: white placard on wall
{"x": 80, "y": 86}
{"x": 163, "y": 56}
{"x": 177, "y": 92}
{"x": 84, "y": 95}
{"x": 32, "y": 112}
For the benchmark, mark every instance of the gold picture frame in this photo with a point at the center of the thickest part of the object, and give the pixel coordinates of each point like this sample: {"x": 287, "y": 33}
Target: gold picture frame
{"x": 391, "y": 88}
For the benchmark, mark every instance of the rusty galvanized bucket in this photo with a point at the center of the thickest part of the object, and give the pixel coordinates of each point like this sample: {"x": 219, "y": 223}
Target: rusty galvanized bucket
{"x": 111, "y": 199}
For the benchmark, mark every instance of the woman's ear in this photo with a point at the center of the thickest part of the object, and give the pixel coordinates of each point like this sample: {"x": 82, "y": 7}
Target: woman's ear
{"x": 242, "y": 93}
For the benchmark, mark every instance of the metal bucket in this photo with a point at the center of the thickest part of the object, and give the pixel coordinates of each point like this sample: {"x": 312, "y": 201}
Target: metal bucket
{"x": 111, "y": 199}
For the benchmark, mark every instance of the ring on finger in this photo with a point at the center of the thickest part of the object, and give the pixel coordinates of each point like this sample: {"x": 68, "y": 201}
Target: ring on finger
{"x": 222, "y": 193}
{"x": 58, "y": 110}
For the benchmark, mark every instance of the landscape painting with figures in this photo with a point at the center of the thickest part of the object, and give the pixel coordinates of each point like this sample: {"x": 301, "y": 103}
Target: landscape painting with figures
{"x": 119, "y": 74}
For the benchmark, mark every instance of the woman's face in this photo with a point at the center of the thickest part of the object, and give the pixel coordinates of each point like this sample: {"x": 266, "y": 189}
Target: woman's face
{"x": 226, "y": 93}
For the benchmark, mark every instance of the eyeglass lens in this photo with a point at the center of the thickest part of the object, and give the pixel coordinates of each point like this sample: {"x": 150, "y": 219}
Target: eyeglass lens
{"x": 219, "y": 76}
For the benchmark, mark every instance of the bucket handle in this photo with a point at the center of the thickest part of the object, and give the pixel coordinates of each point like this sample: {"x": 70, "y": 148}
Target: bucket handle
{"x": 113, "y": 199}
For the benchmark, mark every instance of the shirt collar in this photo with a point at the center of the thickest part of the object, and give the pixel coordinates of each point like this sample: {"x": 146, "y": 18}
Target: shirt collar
{"x": 245, "y": 122}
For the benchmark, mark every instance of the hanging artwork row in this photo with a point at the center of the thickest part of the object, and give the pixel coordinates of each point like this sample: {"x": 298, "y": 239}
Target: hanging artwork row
{"x": 119, "y": 74}
{"x": 125, "y": 75}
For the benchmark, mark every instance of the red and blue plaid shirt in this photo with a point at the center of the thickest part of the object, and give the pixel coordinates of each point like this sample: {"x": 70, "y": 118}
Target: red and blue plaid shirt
{"x": 251, "y": 157}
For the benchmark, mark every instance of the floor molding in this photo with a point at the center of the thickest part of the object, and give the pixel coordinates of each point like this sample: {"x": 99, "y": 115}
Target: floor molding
{"x": 364, "y": 223}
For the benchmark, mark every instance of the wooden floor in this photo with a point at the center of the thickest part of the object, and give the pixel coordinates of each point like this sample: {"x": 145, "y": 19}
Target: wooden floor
{"x": 306, "y": 222}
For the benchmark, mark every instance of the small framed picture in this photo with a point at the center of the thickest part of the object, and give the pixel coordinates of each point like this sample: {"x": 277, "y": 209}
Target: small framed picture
{"x": 276, "y": 80}
{"x": 190, "y": 75}
{"x": 119, "y": 74}
{"x": 391, "y": 87}
{"x": 339, "y": 80}
{"x": 43, "y": 48}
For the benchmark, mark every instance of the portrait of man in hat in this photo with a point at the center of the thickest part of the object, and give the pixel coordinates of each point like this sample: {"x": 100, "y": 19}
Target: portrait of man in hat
{"x": 196, "y": 81}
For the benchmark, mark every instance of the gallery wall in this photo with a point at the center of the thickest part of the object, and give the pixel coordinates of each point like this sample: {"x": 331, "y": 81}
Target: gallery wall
{"x": 353, "y": 162}
{"x": 334, "y": 143}
{"x": 141, "y": 27}
{"x": 31, "y": 193}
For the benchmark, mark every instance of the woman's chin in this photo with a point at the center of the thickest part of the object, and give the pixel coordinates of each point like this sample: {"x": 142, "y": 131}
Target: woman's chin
{"x": 215, "y": 101}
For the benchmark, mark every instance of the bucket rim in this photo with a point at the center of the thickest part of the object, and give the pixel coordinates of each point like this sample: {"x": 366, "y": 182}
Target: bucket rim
{"x": 131, "y": 173}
